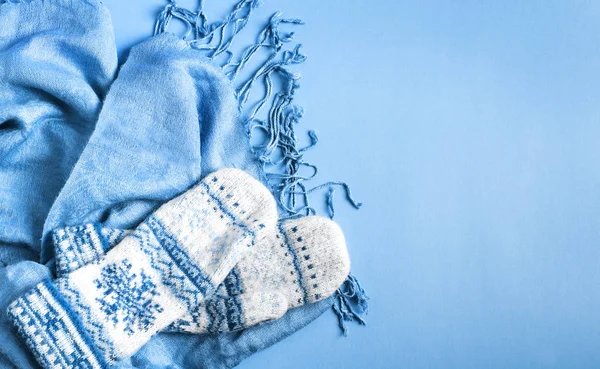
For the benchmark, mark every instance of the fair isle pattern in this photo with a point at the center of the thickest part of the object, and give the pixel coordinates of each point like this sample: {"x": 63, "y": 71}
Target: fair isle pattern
{"x": 94, "y": 328}
{"x": 170, "y": 253}
{"x": 128, "y": 298}
{"x": 224, "y": 314}
{"x": 304, "y": 261}
{"x": 295, "y": 260}
{"x": 232, "y": 285}
{"x": 77, "y": 246}
{"x": 53, "y": 332}
{"x": 227, "y": 212}
{"x": 109, "y": 308}
{"x": 218, "y": 314}
{"x": 188, "y": 282}
{"x": 234, "y": 314}
{"x": 113, "y": 236}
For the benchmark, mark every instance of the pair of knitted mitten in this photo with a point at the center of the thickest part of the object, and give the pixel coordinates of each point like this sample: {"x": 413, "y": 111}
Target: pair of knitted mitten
{"x": 304, "y": 261}
{"x": 212, "y": 259}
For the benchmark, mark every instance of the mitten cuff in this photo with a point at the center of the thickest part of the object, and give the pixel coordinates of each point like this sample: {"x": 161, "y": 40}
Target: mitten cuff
{"x": 53, "y": 331}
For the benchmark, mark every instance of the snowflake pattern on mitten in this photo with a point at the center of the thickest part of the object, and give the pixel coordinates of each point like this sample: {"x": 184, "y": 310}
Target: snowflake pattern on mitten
{"x": 127, "y": 297}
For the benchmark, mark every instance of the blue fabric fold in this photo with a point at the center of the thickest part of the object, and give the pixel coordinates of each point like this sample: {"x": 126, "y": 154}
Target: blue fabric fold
{"x": 169, "y": 117}
{"x": 57, "y": 61}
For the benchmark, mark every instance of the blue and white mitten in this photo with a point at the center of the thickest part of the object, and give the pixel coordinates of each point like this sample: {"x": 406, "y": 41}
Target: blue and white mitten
{"x": 160, "y": 272}
{"x": 304, "y": 261}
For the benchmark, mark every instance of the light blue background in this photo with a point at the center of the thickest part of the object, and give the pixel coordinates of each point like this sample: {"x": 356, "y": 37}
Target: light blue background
{"x": 471, "y": 132}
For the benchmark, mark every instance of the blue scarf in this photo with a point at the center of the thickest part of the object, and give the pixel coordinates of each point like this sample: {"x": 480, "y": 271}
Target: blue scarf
{"x": 78, "y": 145}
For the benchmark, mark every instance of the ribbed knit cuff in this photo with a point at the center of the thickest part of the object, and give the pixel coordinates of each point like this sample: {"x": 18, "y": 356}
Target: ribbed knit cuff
{"x": 53, "y": 331}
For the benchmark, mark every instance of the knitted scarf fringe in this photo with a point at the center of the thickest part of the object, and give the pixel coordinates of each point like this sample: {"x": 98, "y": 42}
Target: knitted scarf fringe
{"x": 280, "y": 156}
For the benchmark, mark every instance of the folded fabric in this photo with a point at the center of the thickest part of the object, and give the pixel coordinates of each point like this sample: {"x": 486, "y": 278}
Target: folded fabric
{"x": 304, "y": 261}
{"x": 161, "y": 271}
{"x": 55, "y": 70}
